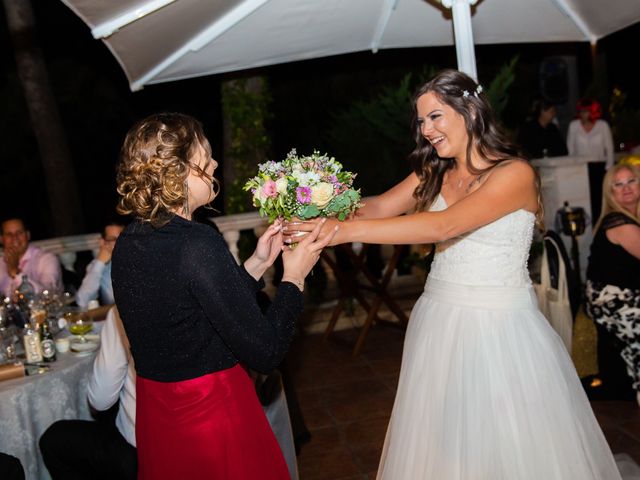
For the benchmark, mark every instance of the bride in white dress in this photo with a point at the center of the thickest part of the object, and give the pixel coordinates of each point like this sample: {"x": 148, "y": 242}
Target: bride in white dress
{"x": 486, "y": 390}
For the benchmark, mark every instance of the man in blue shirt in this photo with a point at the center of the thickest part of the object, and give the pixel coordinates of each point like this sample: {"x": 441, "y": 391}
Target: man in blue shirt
{"x": 97, "y": 280}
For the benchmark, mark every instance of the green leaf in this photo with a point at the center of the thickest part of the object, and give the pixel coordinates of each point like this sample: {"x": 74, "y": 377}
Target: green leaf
{"x": 309, "y": 211}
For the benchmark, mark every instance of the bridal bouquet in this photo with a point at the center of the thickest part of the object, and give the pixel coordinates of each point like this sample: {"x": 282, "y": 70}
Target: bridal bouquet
{"x": 304, "y": 187}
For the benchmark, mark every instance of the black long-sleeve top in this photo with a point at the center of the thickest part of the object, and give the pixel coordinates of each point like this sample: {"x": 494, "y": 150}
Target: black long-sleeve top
{"x": 187, "y": 307}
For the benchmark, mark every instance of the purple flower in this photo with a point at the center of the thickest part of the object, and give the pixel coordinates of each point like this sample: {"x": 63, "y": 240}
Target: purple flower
{"x": 303, "y": 195}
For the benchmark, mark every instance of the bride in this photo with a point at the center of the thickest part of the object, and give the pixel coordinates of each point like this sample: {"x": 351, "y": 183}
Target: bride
{"x": 486, "y": 390}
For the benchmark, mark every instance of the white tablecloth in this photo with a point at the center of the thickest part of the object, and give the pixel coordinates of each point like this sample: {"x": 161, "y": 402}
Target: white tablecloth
{"x": 29, "y": 405}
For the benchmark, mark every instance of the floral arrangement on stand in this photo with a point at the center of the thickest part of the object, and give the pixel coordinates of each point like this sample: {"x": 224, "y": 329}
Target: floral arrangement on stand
{"x": 304, "y": 187}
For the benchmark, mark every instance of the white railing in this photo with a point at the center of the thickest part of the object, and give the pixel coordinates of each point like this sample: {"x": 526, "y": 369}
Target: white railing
{"x": 230, "y": 227}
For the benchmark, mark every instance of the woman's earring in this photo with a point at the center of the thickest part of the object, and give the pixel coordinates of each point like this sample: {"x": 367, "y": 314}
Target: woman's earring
{"x": 185, "y": 205}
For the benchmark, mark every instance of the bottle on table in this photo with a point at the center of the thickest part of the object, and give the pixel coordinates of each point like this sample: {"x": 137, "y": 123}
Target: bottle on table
{"x": 23, "y": 296}
{"x": 25, "y": 291}
{"x": 47, "y": 344}
{"x": 31, "y": 339}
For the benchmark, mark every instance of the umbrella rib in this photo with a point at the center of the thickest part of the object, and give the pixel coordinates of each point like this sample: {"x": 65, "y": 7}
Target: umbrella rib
{"x": 112, "y": 25}
{"x": 389, "y": 8}
{"x": 575, "y": 18}
{"x": 215, "y": 30}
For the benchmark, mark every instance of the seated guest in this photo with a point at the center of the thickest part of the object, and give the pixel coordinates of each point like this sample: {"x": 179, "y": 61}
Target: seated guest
{"x": 97, "y": 280}
{"x": 539, "y": 136}
{"x": 613, "y": 281}
{"x": 10, "y": 468}
{"x": 104, "y": 449}
{"x": 20, "y": 259}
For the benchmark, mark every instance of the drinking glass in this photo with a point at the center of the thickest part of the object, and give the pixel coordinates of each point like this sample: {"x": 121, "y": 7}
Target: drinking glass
{"x": 78, "y": 323}
{"x": 7, "y": 347}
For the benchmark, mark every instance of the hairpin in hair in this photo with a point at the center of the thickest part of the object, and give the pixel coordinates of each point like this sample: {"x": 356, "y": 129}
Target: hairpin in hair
{"x": 476, "y": 92}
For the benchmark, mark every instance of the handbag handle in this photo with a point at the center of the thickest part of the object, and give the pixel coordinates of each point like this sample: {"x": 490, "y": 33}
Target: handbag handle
{"x": 563, "y": 289}
{"x": 545, "y": 277}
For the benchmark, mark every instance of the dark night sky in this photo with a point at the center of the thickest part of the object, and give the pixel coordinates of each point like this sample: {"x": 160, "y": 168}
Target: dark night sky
{"x": 97, "y": 107}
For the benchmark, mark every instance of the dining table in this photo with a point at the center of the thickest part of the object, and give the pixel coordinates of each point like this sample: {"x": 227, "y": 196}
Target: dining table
{"x": 30, "y": 404}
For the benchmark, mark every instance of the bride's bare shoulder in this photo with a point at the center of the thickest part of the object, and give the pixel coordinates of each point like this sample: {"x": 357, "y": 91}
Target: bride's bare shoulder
{"x": 516, "y": 169}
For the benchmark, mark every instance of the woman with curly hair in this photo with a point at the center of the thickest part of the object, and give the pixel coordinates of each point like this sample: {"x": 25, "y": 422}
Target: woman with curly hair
{"x": 486, "y": 389}
{"x": 191, "y": 313}
{"x": 613, "y": 279}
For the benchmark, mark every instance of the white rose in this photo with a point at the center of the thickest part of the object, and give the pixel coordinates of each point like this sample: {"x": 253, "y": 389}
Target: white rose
{"x": 281, "y": 185}
{"x": 322, "y": 194}
{"x": 259, "y": 196}
{"x": 306, "y": 179}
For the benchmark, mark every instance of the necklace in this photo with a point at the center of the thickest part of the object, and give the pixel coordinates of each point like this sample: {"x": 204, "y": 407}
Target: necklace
{"x": 461, "y": 181}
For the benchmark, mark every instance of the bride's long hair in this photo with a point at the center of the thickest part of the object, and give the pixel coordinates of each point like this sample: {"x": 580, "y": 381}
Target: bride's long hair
{"x": 466, "y": 97}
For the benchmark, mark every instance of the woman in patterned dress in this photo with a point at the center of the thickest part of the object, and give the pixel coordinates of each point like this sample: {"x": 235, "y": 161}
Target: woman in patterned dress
{"x": 613, "y": 275}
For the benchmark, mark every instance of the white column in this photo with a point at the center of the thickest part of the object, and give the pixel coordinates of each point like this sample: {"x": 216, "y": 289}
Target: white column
{"x": 232, "y": 237}
{"x": 463, "y": 32}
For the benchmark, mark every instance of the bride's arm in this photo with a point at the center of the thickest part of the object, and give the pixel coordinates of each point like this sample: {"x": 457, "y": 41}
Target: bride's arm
{"x": 395, "y": 201}
{"x": 509, "y": 188}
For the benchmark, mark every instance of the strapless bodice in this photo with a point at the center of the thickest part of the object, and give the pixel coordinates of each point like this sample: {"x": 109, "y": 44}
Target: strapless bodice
{"x": 494, "y": 254}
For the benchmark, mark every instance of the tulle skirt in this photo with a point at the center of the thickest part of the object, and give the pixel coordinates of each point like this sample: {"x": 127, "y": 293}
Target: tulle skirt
{"x": 487, "y": 391}
{"x": 210, "y": 427}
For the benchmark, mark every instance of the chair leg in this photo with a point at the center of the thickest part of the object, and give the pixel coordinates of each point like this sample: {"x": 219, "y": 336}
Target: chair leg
{"x": 334, "y": 318}
{"x": 373, "y": 313}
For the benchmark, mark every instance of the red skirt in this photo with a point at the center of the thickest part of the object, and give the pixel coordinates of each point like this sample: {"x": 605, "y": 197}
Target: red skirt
{"x": 210, "y": 427}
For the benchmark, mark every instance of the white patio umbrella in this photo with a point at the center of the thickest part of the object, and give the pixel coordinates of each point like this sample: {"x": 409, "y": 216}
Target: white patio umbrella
{"x": 165, "y": 40}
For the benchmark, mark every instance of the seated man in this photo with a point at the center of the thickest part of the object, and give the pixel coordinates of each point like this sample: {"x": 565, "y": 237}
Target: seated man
{"x": 104, "y": 450}
{"x": 20, "y": 259}
{"x": 97, "y": 280}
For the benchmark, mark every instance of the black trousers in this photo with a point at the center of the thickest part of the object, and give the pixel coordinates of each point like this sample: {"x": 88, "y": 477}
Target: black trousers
{"x": 10, "y": 468}
{"x": 81, "y": 449}
{"x": 612, "y": 369}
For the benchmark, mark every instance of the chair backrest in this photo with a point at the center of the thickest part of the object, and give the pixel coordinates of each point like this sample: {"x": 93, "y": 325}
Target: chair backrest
{"x": 556, "y": 255}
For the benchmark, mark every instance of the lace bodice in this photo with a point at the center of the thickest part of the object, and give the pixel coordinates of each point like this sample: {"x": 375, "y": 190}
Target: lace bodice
{"x": 495, "y": 254}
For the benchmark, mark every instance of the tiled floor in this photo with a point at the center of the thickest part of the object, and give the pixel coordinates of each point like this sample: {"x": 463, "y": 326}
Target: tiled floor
{"x": 347, "y": 401}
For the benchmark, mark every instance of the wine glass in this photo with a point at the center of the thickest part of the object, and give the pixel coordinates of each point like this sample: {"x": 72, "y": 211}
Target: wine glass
{"x": 78, "y": 323}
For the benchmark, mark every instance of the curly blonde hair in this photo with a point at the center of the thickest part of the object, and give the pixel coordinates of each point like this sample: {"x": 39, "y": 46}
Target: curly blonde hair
{"x": 154, "y": 165}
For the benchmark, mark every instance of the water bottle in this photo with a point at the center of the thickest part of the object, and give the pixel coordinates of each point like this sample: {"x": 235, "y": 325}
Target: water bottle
{"x": 25, "y": 291}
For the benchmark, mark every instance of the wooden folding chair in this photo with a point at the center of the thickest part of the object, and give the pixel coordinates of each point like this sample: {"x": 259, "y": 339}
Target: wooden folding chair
{"x": 349, "y": 287}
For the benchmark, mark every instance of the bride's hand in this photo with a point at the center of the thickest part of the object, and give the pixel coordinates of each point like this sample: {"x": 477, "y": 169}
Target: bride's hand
{"x": 296, "y": 230}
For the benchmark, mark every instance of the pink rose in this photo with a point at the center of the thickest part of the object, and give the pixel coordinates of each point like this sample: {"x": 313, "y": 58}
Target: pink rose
{"x": 270, "y": 189}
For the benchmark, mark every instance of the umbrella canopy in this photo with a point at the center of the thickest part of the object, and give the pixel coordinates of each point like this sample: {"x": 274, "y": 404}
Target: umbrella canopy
{"x": 165, "y": 40}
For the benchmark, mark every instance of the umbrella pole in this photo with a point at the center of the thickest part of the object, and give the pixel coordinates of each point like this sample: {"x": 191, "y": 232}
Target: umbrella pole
{"x": 463, "y": 32}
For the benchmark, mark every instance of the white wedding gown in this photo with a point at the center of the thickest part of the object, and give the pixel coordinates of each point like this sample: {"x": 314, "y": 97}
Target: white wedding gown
{"x": 487, "y": 390}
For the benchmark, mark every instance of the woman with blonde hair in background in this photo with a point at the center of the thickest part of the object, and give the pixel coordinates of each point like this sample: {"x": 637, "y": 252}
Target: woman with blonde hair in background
{"x": 613, "y": 281}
